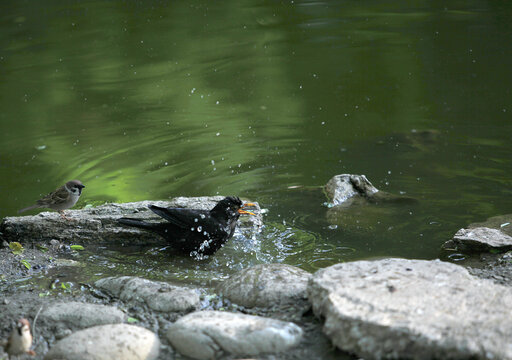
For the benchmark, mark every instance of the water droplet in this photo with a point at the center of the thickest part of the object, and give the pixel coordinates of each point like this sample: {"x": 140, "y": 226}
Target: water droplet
{"x": 199, "y": 228}
{"x": 196, "y": 220}
{"x": 333, "y": 227}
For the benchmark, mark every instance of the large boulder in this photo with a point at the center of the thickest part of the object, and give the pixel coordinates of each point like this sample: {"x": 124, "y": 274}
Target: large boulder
{"x": 211, "y": 334}
{"x": 106, "y": 342}
{"x": 99, "y": 224}
{"x": 412, "y": 309}
{"x": 159, "y": 296}
{"x": 267, "y": 285}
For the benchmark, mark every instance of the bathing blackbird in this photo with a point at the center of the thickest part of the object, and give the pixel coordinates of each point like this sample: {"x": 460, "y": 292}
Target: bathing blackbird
{"x": 197, "y": 232}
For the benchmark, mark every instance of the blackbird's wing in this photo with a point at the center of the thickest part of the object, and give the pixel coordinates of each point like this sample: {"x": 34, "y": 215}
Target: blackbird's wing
{"x": 181, "y": 217}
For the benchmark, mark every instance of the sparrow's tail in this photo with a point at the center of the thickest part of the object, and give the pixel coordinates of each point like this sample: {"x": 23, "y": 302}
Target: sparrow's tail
{"x": 28, "y": 208}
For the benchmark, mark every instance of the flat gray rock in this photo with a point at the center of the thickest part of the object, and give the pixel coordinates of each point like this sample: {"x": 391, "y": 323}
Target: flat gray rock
{"x": 211, "y": 334}
{"x": 107, "y": 342}
{"x": 502, "y": 223}
{"x": 479, "y": 239}
{"x": 99, "y": 224}
{"x": 412, "y": 309}
{"x": 82, "y": 315}
{"x": 267, "y": 285}
{"x": 159, "y": 296}
{"x": 483, "y": 236}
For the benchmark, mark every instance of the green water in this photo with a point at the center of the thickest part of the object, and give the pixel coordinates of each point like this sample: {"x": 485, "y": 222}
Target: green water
{"x": 150, "y": 100}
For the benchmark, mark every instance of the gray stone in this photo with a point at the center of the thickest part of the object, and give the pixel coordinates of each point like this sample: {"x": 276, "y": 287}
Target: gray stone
{"x": 413, "y": 309}
{"x": 159, "y": 296}
{"x": 106, "y": 342}
{"x": 210, "y": 334}
{"x": 345, "y": 186}
{"x": 82, "y": 315}
{"x": 99, "y": 224}
{"x": 266, "y": 285}
{"x": 349, "y": 190}
{"x": 479, "y": 239}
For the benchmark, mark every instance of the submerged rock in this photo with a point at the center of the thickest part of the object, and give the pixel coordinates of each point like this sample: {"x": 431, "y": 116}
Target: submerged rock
{"x": 82, "y": 315}
{"x": 356, "y": 205}
{"x": 119, "y": 341}
{"x": 348, "y": 189}
{"x": 159, "y": 296}
{"x": 415, "y": 309}
{"x": 343, "y": 187}
{"x": 268, "y": 285}
{"x": 210, "y": 334}
{"x": 99, "y": 224}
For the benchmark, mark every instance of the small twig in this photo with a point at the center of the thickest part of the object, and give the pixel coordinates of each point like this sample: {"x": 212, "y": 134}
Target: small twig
{"x": 35, "y": 320}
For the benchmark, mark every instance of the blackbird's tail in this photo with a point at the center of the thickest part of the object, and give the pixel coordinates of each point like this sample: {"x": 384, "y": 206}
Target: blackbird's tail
{"x": 137, "y": 223}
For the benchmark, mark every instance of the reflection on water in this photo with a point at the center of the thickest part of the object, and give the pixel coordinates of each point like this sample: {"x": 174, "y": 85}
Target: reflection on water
{"x": 153, "y": 100}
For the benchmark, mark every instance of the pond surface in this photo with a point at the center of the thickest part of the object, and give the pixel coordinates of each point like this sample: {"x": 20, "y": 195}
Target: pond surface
{"x": 265, "y": 100}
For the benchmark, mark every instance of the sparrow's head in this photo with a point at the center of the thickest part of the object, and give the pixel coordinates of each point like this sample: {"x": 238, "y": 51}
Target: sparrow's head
{"x": 23, "y": 325}
{"x": 75, "y": 186}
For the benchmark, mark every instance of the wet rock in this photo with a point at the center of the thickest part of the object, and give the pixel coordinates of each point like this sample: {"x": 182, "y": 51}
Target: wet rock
{"x": 159, "y": 296}
{"x": 417, "y": 309}
{"x": 351, "y": 190}
{"x": 119, "y": 341}
{"x": 345, "y": 186}
{"x": 267, "y": 285}
{"x": 479, "y": 239}
{"x": 210, "y": 334}
{"x": 99, "y": 224}
{"x": 82, "y": 315}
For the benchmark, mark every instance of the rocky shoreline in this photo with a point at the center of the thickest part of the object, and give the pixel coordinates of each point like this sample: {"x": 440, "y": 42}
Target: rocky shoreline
{"x": 387, "y": 308}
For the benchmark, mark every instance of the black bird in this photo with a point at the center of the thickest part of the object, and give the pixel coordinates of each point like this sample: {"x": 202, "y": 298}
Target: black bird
{"x": 192, "y": 231}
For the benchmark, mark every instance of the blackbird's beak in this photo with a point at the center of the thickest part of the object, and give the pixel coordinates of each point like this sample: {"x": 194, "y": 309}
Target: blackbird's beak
{"x": 242, "y": 211}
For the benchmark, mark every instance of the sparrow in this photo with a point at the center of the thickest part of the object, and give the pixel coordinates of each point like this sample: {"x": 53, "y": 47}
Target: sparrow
{"x": 192, "y": 231}
{"x": 20, "y": 340}
{"x": 61, "y": 199}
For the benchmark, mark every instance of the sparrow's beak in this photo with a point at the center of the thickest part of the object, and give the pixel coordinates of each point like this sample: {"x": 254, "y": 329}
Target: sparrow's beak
{"x": 242, "y": 211}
